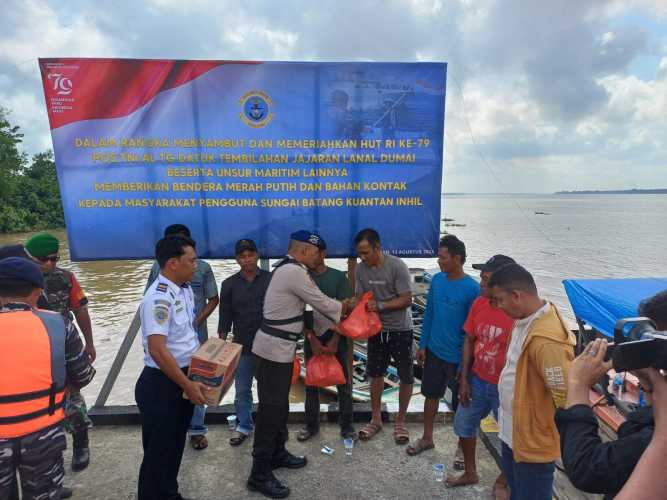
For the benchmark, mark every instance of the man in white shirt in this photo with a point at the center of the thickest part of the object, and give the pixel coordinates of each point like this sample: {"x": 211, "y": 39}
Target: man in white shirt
{"x": 532, "y": 384}
{"x": 169, "y": 339}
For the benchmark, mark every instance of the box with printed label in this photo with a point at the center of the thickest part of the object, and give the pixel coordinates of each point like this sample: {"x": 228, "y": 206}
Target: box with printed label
{"x": 214, "y": 365}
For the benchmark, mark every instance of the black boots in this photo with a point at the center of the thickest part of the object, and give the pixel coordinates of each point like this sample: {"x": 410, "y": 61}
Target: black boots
{"x": 263, "y": 481}
{"x": 288, "y": 461}
{"x": 80, "y": 451}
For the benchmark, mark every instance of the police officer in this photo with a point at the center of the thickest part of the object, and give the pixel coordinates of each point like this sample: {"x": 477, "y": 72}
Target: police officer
{"x": 64, "y": 295}
{"x": 169, "y": 339}
{"x": 40, "y": 355}
{"x": 291, "y": 288}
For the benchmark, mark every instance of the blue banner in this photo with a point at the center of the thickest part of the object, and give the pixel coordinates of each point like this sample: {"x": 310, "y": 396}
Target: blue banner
{"x": 246, "y": 150}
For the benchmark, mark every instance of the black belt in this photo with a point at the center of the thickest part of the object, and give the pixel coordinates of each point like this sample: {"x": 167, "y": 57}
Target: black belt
{"x": 276, "y": 332}
{"x": 286, "y": 321}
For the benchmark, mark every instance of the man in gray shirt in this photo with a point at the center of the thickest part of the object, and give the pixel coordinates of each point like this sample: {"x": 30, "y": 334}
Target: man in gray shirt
{"x": 290, "y": 289}
{"x": 389, "y": 279}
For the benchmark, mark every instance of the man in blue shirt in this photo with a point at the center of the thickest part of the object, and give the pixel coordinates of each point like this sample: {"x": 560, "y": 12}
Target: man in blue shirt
{"x": 449, "y": 299}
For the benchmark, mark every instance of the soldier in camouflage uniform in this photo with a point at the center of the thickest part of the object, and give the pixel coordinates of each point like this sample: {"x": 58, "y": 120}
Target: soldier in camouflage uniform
{"x": 64, "y": 295}
{"x": 30, "y": 446}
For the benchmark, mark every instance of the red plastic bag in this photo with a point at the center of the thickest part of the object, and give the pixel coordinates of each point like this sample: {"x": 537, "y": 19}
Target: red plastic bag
{"x": 361, "y": 323}
{"x": 296, "y": 370}
{"x": 324, "y": 370}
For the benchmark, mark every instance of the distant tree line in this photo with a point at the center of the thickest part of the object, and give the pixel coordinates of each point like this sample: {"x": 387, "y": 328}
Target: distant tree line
{"x": 29, "y": 193}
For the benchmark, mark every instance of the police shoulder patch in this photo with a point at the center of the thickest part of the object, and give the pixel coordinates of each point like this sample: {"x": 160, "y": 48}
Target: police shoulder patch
{"x": 161, "y": 287}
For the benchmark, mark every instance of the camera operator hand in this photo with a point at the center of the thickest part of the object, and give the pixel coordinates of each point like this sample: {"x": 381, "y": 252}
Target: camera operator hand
{"x": 649, "y": 481}
{"x": 586, "y": 370}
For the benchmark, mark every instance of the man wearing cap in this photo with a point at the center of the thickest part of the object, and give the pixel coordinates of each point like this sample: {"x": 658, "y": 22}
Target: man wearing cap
{"x": 487, "y": 331}
{"x": 40, "y": 354}
{"x": 205, "y": 290}
{"x": 64, "y": 295}
{"x": 241, "y": 303}
{"x": 290, "y": 289}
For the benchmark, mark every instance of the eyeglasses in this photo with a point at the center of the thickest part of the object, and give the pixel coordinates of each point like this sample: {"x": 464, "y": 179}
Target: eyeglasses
{"x": 52, "y": 258}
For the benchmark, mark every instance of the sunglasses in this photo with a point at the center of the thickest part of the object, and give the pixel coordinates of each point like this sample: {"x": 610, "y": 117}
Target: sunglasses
{"x": 52, "y": 258}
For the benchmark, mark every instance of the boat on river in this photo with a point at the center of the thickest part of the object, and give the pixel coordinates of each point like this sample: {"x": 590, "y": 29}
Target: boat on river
{"x": 597, "y": 305}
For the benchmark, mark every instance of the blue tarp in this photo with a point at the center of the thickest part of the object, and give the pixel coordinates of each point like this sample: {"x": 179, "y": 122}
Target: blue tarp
{"x": 600, "y": 303}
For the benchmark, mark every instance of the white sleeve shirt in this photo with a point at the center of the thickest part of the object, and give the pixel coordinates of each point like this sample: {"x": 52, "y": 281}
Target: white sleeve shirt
{"x": 168, "y": 309}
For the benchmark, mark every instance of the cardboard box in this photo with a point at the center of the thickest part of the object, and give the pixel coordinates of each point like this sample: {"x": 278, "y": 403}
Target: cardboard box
{"x": 214, "y": 364}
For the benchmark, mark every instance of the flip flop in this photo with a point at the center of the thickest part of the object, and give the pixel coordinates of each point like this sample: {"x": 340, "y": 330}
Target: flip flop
{"x": 237, "y": 438}
{"x": 417, "y": 447}
{"x": 368, "y": 431}
{"x": 401, "y": 434}
{"x": 199, "y": 442}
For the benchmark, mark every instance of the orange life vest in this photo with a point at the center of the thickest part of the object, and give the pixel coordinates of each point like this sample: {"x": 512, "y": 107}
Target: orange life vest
{"x": 32, "y": 360}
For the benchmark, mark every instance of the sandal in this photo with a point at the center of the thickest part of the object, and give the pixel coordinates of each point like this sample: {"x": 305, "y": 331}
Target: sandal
{"x": 401, "y": 434}
{"x": 368, "y": 431}
{"x": 237, "y": 438}
{"x": 417, "y": 447}
{"x": 199, "y": 442}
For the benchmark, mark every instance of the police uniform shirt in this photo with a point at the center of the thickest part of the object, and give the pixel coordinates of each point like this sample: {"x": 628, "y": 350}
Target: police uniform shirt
{"x": 290, "y": 289}
{"x": 168, "y": 309}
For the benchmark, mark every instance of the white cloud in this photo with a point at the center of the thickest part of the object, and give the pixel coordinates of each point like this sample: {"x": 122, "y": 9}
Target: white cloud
{"x": 33, "y": 29}
{"x": 550, "y": 97}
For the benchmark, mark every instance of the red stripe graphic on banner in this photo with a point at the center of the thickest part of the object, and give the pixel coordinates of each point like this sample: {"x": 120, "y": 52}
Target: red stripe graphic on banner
{"x": 85, "y": 89}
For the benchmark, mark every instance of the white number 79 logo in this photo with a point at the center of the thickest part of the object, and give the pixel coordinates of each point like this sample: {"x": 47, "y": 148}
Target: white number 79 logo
{"x": 61, "y": 83}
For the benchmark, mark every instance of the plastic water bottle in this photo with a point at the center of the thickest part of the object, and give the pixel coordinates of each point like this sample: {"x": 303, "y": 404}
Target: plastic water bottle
{"x": 231, "y": 422}
{"x": 439, "y": 470}
{"x": 349, "y": 446}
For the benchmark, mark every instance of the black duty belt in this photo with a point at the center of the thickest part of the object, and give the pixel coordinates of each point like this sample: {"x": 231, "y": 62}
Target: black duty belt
{"x": 268, "y": 326}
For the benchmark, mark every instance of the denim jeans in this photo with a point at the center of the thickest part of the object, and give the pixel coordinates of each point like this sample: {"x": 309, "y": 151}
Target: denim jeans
{"x": 484, "y": 401}
{"x": 197, "y": 427}
{"x": 528, "y": 481}
{"x": 243, "y": 399}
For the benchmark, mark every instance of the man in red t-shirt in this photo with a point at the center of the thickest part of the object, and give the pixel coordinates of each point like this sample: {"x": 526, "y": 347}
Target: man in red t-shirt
{"x": 487, "y": 335}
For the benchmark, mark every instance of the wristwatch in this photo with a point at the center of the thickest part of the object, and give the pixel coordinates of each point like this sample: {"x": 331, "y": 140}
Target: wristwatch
{"x": 380, "y": 306}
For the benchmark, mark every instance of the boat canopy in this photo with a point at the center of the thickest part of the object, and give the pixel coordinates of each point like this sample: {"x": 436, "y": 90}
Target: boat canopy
{"x": 600, "y": 303}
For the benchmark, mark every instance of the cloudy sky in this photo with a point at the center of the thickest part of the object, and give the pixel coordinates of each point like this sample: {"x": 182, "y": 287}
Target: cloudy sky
{"x": 541, "y": 96}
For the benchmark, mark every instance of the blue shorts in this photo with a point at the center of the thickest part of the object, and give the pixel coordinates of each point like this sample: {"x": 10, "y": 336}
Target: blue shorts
{"x": 484, "y": 400}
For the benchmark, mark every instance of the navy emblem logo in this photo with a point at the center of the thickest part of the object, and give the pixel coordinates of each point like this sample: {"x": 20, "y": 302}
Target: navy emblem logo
{"x": 160, "y": 314}
{"x": 256, "y": 109}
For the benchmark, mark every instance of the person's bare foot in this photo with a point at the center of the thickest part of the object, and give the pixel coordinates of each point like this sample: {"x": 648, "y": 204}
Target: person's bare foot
{"x": 464, "y": 479}
{"x": 500, "y": 489}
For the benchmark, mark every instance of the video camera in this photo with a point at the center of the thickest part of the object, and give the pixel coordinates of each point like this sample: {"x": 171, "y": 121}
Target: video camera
{"x": 637, "y": 344}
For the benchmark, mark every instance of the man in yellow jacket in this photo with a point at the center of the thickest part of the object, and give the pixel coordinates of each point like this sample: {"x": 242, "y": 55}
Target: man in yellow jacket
{"x": 532, "y": 384}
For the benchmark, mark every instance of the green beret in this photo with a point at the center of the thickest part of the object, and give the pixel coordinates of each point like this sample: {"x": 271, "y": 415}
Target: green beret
{"x": 42, "y": 244}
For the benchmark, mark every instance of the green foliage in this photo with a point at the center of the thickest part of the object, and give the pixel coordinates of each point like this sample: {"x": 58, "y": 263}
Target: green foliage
{"x": 29, "y": 194}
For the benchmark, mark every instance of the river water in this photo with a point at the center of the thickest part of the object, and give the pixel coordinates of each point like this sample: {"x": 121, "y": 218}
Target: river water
{"x": 554, "y": 236}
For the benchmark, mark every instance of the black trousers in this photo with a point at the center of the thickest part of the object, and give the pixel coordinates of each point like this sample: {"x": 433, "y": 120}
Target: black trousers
{"x": 273, "y": 385}
{"x": 165, "y": 416}
{"x": 344, "y": 395}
